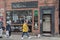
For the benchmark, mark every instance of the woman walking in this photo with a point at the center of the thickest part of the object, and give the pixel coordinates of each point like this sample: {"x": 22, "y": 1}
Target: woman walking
{"x": 25, "y": 29}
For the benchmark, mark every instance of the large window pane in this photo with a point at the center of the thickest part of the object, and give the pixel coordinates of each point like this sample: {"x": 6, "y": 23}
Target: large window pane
{"x": 17, "y": 18}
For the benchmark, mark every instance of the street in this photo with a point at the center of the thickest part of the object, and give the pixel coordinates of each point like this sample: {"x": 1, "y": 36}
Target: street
{"x": 18, "y": 37}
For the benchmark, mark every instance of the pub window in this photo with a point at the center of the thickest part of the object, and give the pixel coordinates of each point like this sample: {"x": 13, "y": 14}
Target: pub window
{"x": 20, "y": 16}
{"x": 17, "y": 18}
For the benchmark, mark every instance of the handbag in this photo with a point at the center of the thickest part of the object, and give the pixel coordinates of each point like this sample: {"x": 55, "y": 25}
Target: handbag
{"x": 7, "y": 33}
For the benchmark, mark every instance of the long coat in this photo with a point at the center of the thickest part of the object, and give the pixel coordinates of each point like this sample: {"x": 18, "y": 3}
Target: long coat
{"x": 8, "y": 28}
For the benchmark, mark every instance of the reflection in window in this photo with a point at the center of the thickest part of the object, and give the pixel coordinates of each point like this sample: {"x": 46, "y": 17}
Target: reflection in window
{"x": 18, "y": 17}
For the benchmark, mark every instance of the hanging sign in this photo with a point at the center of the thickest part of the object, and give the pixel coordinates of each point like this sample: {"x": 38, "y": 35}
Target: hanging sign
{"x": 36, "y": 13}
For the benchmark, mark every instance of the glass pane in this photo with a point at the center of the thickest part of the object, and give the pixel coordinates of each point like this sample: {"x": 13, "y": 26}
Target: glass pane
{"x": 17, "y": 18}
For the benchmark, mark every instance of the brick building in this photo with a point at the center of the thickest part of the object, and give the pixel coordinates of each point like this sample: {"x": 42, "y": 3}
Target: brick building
{"x": 43, "y": 15}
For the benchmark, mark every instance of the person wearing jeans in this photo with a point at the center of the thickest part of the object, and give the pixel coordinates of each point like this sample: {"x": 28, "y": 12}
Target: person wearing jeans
{"x": 25, "y": 29}
{"x": 25, "y": 33}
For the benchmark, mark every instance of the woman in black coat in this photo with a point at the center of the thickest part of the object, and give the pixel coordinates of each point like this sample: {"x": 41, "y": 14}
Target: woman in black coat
{"x": 8, "y": 28}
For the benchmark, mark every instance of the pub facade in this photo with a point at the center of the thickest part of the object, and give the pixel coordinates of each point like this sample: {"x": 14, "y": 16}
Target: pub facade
{"x": 42, "y": 15}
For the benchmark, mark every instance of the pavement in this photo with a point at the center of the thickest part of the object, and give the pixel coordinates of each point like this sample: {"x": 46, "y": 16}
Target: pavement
{"x": 17, "y": 36}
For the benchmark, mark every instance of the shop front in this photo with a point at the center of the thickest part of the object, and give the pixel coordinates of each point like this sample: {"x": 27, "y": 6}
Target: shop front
{"x": 39, "y": 20}
{"x": 17, "y": 17}
{"x": 47, "y": 24}
{"x": 42, "y": 15}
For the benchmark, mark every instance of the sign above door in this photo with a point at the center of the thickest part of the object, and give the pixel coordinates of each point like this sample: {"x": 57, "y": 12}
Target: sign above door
{"x": 47, "y": 9}
{"x": 32, "y": 4}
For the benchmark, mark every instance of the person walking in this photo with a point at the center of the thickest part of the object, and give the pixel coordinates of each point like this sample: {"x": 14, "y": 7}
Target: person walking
{"x": 8, "y": 30}
{"x": 25, "y": 29}
{"x": 1, "y": 30}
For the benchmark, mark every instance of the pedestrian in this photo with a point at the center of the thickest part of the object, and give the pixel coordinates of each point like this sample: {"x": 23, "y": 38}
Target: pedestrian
{"x": 8, "y": 30}
{"x": 1, "y": 30}
{"x": 25, "y": 29}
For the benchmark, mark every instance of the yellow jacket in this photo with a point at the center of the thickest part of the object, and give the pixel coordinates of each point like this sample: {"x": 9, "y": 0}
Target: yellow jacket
{"x": 25, "y": 27}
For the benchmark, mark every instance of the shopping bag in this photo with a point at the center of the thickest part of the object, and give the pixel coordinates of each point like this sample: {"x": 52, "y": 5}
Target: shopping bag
{"x": 7, "y": 33}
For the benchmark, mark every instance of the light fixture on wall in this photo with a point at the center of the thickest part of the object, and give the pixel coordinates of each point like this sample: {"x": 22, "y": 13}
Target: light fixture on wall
{"x": 56, "y": 5}
{"x": 45, "y": 2}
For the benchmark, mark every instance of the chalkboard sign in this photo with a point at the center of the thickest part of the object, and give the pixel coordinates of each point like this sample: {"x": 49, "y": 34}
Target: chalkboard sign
{"x": 32, "y": 4}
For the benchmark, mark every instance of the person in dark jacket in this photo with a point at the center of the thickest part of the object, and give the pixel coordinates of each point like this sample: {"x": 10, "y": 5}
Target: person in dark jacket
{"x": 8, "y": 28}
{"x": 1, "y": 24}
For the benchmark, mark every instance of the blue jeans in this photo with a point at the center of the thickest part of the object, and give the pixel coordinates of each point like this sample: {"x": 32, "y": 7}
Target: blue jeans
{"x": 25, "y": 33}
{"x": 1, "y": 31}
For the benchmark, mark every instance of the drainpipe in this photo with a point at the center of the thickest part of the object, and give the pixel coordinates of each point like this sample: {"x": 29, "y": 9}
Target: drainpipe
{"x": 5, "y": 12}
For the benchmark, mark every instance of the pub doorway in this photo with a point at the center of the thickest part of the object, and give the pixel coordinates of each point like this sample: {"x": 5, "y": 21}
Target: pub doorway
{"x": 47, "y": 20}
{"x": 46, "y": 23}
{"x": 17, "y": 18}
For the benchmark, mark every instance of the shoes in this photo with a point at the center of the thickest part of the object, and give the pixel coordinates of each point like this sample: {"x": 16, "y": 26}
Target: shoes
{"x": 22, "y": 38}
{"x": 29, "y": 37}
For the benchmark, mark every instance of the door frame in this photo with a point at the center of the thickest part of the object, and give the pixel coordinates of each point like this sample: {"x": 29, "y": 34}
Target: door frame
{"x": 52, "y": 8}
{"x": 50, "y": 23}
